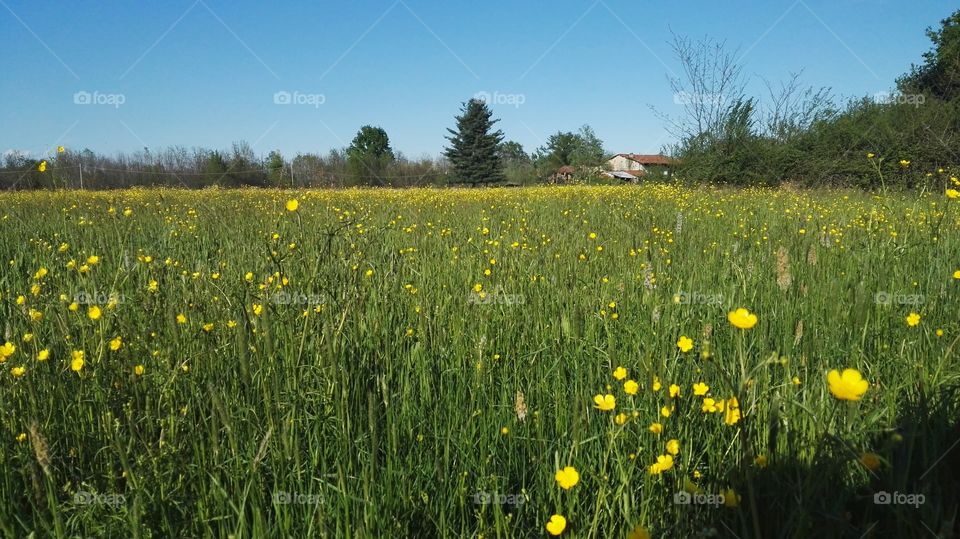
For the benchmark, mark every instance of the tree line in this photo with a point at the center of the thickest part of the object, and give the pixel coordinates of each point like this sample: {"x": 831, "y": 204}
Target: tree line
{"x": 907, "y": 137}
{"x": 477, "y": 155}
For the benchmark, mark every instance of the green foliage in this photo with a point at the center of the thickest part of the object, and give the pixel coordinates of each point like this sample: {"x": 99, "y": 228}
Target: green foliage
{"x": 588, "y": 151}
{"x": 474, "y": 146}
{"x": 369, "y": 155}
{"x": 215, "y": 164}
{"x": 939, "y": 75}
{"x": 518, "y": 167}
{"x": 511, "y": 153}
{"x": 557, "y": 152}
{"x": 927, "y": 135}
{"x": 805, "y": 139}
{"x": 275, "y": 168}
{"x": 580, "y": 149}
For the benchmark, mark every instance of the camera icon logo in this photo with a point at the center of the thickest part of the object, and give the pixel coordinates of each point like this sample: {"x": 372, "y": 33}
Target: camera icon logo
{"x": 282, "y": 98}
{"x": 882, "y": 498}
{"x": 82, "y": 98}
{"x": 681, "y": 498}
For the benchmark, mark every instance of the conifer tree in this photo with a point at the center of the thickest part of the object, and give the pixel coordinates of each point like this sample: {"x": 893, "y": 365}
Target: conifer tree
{"x": 474, "y": 146}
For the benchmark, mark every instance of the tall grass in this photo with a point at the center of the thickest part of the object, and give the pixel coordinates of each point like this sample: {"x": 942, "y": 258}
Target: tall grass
{"x": 358, "y": 385}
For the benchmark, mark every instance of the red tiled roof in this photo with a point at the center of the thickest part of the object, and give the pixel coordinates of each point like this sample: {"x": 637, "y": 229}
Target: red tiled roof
{"x": 650, "y": 159}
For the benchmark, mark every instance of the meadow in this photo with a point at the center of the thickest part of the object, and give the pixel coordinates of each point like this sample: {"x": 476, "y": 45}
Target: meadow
{"x": 524, "y": 362}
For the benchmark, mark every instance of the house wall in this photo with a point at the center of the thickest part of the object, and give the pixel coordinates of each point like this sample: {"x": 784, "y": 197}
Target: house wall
{"x": 620, "y": 162}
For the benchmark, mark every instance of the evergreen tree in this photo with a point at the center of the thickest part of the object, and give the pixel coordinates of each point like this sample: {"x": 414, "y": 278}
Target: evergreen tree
{"x": 474, "y": 146}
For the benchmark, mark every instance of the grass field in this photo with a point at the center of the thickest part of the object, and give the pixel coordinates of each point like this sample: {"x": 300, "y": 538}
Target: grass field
{"x": 389, "y": 363}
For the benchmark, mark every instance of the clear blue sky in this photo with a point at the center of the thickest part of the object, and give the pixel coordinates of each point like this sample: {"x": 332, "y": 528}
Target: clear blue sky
{"x": 204, "y": 72}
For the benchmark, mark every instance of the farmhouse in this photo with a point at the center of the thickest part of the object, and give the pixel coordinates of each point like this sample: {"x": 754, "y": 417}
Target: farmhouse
{"x": 632, "y": 166}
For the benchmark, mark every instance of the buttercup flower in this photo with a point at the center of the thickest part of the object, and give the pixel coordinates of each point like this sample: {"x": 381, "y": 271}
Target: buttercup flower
{"x": 730, "y": 498}
{"x": 638, "y": 532}
{"x": 913, "y": 319}
{"x": 870, "y": 461}
{"x": 673, "y": 447}
{"x": 292, "y": 205}
{"x": 732, "y": 413}
{"x": 630, "y": 387}
{"x": 556, "y": 525}
{"x": 567, "y": 478}
{"x": 620, "y": 373}
{"x": 604, "y": 403}
{"x": 76, "y": 361}
{"x": 709, "y": 405}
{"x": 742, "y": 318}
{"x": 849, "y": 386}
{"x": 700, "y": 389}
{"x": 684, "y": 343}
{"x": 664, "y": 463}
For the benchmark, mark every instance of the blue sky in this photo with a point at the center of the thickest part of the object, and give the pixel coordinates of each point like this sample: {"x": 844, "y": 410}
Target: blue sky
{"x": 205, "y": 72}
